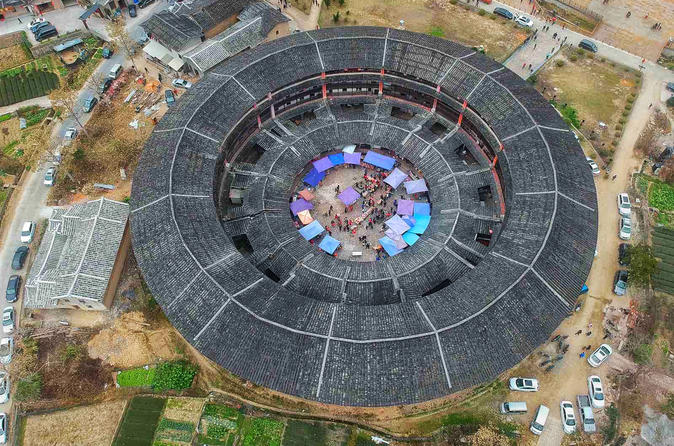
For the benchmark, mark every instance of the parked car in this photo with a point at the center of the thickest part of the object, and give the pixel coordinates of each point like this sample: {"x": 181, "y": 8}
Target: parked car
{"x": 588, "y": 45}
{"x": 143, "y": 3}
{"x": 8, "y": 320}
{"x": 170, "y": 99}
{"x": 525, "y": 21}
{"x": 27, "y": 232}
{"x": 586, "y": 414}
{"x": 132, "y": 10}
{"x": 598, "y": 357}
{"x": 593, "y": 166}
{"x": 595, "y": 391}
{"x": 513, "y": 407}
{"x": 107, "y": 52}
{"x": 4, "y": 387}
{"x": 89, "y": 104}
{"x": 3, "y": 428}
{"x": 181, "y": 83}
{"x": 19, "y": 257}
{"x": 50, "y": 176}
{"x": 6, "y": 350}
{"x": 624, "y": 254}
{"x": 34, "y": 28}
{"x": 568, "y": 417}
{"x": 620, "y": 282}
{"x": 504, "y": 13}
{"x": 46, "y": 33}
{"x": 625, "y": 228}
{"x": 70, "y": 134}
{"x": 624, "y": 205}
{"x": 538, "y": 423}
{"x": 524, "y": 384}
{"x": 670, "y": 86}
{"x": 13, "y": 288}
{"x": 104, "y": 85}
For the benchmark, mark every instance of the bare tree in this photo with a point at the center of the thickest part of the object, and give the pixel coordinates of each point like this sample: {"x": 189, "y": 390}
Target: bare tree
{"x": 120, "y": 36}
{"x": 66, "y": 98}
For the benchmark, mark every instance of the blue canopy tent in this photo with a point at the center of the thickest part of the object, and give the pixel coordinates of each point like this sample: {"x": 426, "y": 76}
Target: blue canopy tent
{"x": 421, "y": 223}
{"x": 379, "y": 160}
{"x": 389, "y": 246}
{"x": 311, "y": 230}
{"x": 329, "y": 244}
{"x": 314, "y": 177}
{"x": 422, "y": 209}
{"x": 410, "y": 238}
{"x": 336, "y": 159}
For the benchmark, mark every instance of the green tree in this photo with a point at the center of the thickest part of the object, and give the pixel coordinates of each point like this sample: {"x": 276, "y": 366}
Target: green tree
{"x": 642, "y": 265}
{"x": 29, "y": 388}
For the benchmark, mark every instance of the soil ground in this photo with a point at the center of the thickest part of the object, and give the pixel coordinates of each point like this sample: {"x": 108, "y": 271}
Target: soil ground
{"x": 599, "y": 91}
{"x": 436, "y": 17}
{"x": 12, "y": 56}
{"x": 82, "y": 426}
{"x": 326, "y": 197}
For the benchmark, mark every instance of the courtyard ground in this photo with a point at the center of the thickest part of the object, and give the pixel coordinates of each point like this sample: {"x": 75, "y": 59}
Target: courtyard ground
{"x": 440, "y": 18}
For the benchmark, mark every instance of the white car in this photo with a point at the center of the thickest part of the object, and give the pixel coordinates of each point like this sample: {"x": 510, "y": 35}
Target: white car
{"x": 181, "y": 83}
{"x": 70, "y": 134}
{"x": 593, "y": 166}
{"x": 595, "y": 391}
{"x": 524, "y": 384}
{"x": 525, "y": 21}
{"x": 6, "y": 350}
{"x": 625, "y": 228}
{"x": 599, "y": 356}
{"x": 27, "y": 232}
{"x": 624, "y": 206}
{"x": 8, "y": 320}
{"x": 568, "y": 417}
{"x": 3, "y": 428}
{"x": 4, "y": 387}
{"x": 50, "y": 176}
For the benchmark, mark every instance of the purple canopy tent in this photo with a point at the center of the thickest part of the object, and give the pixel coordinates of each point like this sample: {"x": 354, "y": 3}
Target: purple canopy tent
{"x": 336, "y": 159}
{"x": 412, "y": 187}
{"x": 349, "y": 196}
{"x": 422, "y": 209}
{"x": 313, "y": 177}
{"x": 397, "y": 224}
{"x": 352, "y": 158}
{"x": 379, "y": 160}
{"x": 322, "y": 164}
{"x": 389, "y": 246}
{"x": 405, "y": 207}
{"x": 395, "y": 178}
{"x": 300, "y": 205}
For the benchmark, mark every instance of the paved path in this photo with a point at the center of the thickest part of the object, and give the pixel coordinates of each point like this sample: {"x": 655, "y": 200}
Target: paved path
{"x": 42, "y": 101}
{"x": 302, "y": 21}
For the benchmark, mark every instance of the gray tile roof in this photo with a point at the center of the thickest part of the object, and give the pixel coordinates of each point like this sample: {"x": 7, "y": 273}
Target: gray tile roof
{"x": 350, "y": 333}
{"x": 173, "y": 31}
{"x": 77, "y": 253}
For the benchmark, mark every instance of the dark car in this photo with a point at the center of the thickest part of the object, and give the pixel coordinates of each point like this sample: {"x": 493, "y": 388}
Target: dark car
{"x": 144, "y": 3}
{"x": 504, "y": 13}
{"x": 105, "y": 84}
{"x": 13, "y": 287}
{"x": 19, "y": 257}
{"x": 46, "y": 33}
{"x": 132, "y": 11}
{"x": 588, "y": 45}
{"x": 170, "y": 99}
{"x": 620, "y": 282}
{"x": 624, "y": 254}
{"x": 38, "y": 26}
{"x": 89, "y": 103}
{"x": 107, "y": 52}
{"x": 670, "y": 86}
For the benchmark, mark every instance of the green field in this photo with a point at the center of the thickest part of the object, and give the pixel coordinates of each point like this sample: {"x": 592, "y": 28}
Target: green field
{"x": 663, "y": 248}
{"x": 171, "y": 432}
{"x": 300, "y": 433}
{"x": 140, "y": 422}
{"x": 17, "y": 87}
{"x": 136, "y": 377}
{"x": 261, "y": 432}
{"x": 661, "y": 196}
{"x": 219, "y": 425}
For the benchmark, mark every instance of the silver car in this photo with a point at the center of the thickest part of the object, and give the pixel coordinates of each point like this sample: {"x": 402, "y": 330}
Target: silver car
{"x": 6, "y": 350}
{"x": 8, "y": 320}
{"x": 4, "y": 387}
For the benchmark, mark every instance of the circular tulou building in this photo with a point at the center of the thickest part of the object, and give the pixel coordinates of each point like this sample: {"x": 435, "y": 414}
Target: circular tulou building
{"x": 507, "y": 248}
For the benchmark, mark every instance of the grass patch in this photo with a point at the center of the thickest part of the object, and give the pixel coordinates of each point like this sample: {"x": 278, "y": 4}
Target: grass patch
{"x": 136, "y": 377}
{"x": 140, "y": 421}
{"x": 661, "y": 196}
{"x": 261, "y": 432}
{"x": 300, "y": 433}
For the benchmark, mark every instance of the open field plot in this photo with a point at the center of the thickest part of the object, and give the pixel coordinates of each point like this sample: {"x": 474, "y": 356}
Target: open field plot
{"x": 439, "y": 18}
{"x": 184, "y": 409}
{"x": 219, "y": 424}
{"x": 173, "y": 433}
{"x": 139, "y": 377}
{"x": 13, "y": 56}
{"x": 300, "y": 433}
{"x": 661, "y": 196}
{"x": 75, "y": 426}
{"x": 261, "y": 432}
{"x": 663, "y": 247}
{"x": 599, "y": 91}
{"x": 140, "y": 421}
{"x": 26, "y": 85}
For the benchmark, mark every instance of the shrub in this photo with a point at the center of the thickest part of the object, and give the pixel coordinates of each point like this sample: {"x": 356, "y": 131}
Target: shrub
{"x": 670, "y": 102}
{"x": 29, "y": 388}
{"x": 570, "y": 115}
{"x": 559, "y": 63}
{"x": 341, "y": 2}
{"x": 642, "y": 352}
{"x": 532, "y": 79}
{"x": 453, "y": 2}
{"x": 573, "y": 58}
{"x": 630, "y": 100}
{"x": 5, "y": 117}
{"x": 580, "y": 52}
{"x": 628, "y": 107}
{"x": 618, "y": 127}
{"x": 176, "y": 375}
{"x": 481, "y": 11}
{"x": 618, "y": 134}
{"x": 335, "y": 17}
{"x": 493, "y": 17}
{"x": 626, "y": 113}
